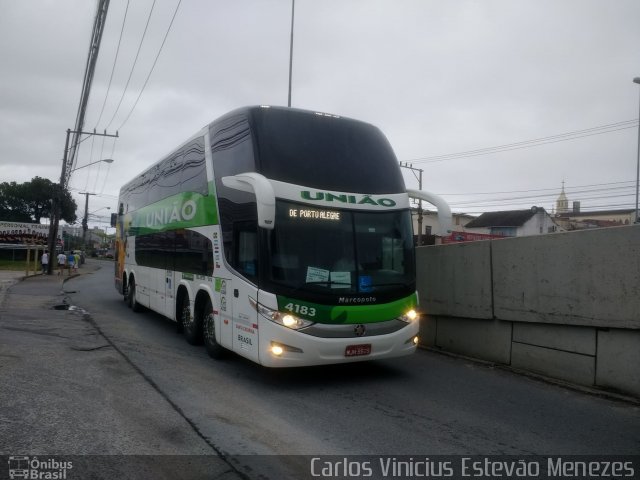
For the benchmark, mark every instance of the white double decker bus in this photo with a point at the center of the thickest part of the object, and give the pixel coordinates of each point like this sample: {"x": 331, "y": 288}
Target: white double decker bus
{"x": 280, "y": 234}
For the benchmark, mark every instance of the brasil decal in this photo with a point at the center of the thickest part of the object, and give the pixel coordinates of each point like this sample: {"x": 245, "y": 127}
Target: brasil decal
{"x": 184, "y": 210}
{"x": 347, "y": 314}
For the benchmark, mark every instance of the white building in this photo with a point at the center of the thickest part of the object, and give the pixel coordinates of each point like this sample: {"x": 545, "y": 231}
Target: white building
{"x": 431, "y": 227}
{"x": 514, "y": 223}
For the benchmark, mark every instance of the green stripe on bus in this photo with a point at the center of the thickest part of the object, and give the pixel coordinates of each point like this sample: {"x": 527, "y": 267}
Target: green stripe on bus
{"x": 347, "y": 314}
{"x": 184, "y": 210}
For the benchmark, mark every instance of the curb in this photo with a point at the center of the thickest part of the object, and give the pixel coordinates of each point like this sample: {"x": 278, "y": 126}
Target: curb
{"x": 6, "y": 284}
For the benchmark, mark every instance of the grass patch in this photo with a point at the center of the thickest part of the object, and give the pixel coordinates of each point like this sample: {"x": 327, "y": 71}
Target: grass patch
{"x": 17, "y": 265}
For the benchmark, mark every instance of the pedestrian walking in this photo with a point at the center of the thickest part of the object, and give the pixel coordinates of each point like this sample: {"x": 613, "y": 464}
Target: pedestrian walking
{"x": 76, "y": 260}
{"x": 71, "y": 261}
{"x": 62, "y": 259}
{"x": 45, "y": 262}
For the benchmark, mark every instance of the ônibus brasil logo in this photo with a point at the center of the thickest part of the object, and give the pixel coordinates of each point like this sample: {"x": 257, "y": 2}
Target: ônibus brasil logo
{"x": 345, "y": 198}
{"x": 35, "y": 468}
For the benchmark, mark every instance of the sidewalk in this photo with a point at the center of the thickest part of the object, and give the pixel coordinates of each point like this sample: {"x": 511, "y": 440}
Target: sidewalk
{"x": 67, "y": 393}
{"x": 38, "y": 290}
{"x": 7, "y": 279}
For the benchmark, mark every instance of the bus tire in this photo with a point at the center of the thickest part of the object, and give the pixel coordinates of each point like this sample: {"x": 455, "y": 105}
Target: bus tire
{"x": 131, "y": 297}
{"x": 127, "y": 293}
{"x": 214, "y": 349}
{"x": 190, "y": 324}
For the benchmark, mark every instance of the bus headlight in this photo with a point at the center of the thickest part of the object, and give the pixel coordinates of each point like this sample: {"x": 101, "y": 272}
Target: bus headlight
{"x": 285, "y": 319}
{"x": 409, "y": 316}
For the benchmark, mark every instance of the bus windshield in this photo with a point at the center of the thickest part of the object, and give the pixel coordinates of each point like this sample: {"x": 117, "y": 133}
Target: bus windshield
{"x": 330, "y": 252}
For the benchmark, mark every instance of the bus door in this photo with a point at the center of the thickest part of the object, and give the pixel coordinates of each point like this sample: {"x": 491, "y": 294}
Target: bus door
{"x": 245, "y": 315}
{"x": 245, "y": 319}
{"x": 223, "y": 311}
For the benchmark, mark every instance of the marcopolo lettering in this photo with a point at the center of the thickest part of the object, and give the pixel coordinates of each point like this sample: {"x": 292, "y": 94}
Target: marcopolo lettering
{"x": 344, "y": 198}
{"x": 356, "y": 300}
{"x": 172, "y": 214}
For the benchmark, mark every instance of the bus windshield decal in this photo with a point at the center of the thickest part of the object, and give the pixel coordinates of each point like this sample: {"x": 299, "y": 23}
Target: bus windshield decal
{"x": 308, "y": 213}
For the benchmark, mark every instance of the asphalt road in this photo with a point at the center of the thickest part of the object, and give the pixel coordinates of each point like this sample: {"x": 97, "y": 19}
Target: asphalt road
{"x": 426, "y": 404}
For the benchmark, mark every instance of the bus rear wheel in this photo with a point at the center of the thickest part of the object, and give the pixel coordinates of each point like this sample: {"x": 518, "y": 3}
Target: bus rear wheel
{"x": 190, "y": 323}
{"x": 131, "y": 297}
{"x": 214, "y": 349}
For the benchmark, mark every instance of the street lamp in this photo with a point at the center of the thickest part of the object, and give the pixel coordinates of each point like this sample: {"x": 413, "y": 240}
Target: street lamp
{"x": 637, "y": 80}
{"x": 86, "y": 201}
{"x": 105, "y": 160}
{"x": 101, "y": 208}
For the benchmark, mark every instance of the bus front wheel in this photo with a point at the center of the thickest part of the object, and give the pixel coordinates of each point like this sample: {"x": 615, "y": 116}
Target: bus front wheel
{"x": 214, "y": 349}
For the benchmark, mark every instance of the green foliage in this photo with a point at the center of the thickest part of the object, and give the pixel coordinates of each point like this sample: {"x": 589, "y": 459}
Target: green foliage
{"x": 31, "y": 201}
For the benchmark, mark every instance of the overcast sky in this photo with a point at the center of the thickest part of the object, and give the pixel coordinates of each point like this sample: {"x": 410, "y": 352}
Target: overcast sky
{"x": 439, "y": 77}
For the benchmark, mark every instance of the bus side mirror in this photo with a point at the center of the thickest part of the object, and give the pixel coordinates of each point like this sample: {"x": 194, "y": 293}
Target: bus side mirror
{"x": 114, "y": 219}
{"x": 265, "y": 196}
{"x": 444, "y": 211}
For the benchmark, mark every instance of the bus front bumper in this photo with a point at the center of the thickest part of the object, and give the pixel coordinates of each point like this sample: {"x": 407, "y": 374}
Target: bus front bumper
{"x": 284, "y": 347}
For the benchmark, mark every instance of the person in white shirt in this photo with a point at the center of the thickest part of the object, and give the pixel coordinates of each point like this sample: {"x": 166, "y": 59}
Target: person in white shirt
{"x": 62, "y": 258}
{"x": 45, "y": 262}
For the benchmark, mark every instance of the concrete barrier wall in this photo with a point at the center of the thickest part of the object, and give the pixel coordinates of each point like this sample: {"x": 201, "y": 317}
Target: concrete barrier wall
{"x": 563, "y": 305}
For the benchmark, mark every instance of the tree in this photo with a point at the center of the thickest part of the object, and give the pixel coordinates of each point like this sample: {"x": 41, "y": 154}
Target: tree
{"x": 12, "y": 207}
{"x": 31, "y": 201}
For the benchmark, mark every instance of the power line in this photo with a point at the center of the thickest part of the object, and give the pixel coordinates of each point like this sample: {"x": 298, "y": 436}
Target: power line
{"x": 613, "y": 127}
{"x": 615, "y": 192}
{"x": 135, "y": 60}
{"x": 153, "y": 66}
{"x": 106, "y": 195}
{"x": 501, "y": 203}
{"x": 113, "y": 68}
{"x": 92, "y": 57}
{"x": 506, "y": 205}
{"x": 113, "y": 149}
{"x": 540, "y": 189}
{"x": 591, "y": 208}
{"x": 547, "y": 196}
{"x": 520, "y": 202}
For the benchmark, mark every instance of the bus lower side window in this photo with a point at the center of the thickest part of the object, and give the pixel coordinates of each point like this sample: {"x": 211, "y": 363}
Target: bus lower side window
{"x": 194, "y": 253}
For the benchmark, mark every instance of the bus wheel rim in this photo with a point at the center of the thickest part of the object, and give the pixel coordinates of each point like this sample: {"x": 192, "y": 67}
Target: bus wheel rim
{"x": 186, "y": 317}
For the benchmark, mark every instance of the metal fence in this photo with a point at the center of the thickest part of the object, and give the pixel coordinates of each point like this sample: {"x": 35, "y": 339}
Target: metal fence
{"x": 30, "y": 254}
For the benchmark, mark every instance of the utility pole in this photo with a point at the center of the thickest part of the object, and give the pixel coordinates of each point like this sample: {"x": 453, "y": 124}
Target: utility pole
{"x": 92, "y": 57}
{"x": 94, "y": 48}
{"x": 86, "y": 217}
{"x": 418, "y": 175}
{"x": 293, "y": 9}
{"x": 55, "y": 207}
